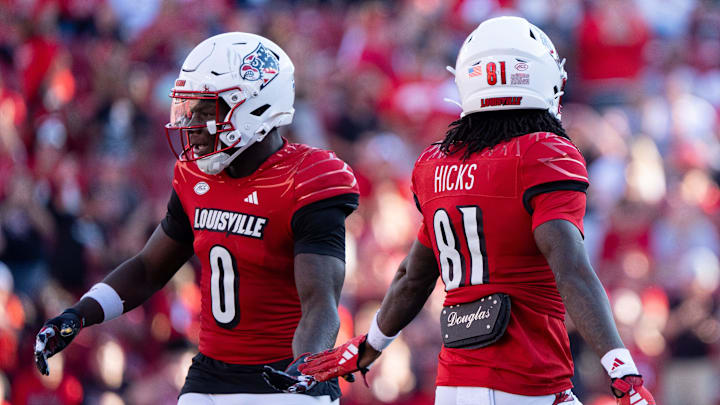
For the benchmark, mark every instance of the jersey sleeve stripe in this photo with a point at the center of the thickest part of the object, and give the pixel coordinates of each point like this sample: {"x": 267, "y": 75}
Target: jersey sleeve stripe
{"x": 562, "y": 185}
{"x": 273, "y": 179}
{"x": 557, "y": 143}
{"x": 345, "y": 187}
{"x": 345, "y": 169}
{"x": 549, "y": 163}
{"x": 329, "y": 159}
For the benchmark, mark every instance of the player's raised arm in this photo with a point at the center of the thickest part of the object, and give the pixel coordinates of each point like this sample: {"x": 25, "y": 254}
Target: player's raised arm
{"x": 126, "y": 287}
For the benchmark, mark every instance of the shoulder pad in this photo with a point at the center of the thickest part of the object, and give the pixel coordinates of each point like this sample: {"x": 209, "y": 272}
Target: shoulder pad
{"x": 322, "y": 175}
{"x": 552, "y": 158}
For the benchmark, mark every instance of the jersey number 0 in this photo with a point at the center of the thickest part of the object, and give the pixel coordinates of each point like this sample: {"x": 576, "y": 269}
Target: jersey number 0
{"x": 224, "y": 287}
{"x": 451, "y": 258}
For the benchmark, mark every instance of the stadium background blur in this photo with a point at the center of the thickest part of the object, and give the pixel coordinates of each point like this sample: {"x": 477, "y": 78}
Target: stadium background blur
{"x": 85, "y": 174}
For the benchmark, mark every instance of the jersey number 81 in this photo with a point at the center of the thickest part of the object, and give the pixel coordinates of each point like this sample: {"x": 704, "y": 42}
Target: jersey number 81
{"x": 451, "y": 258}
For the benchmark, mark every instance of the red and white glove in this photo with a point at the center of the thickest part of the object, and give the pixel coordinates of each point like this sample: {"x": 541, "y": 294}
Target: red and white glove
{"x": 629, "y": 390}
{"x": 338, "y": 362}
{"x": 627, "y": 383}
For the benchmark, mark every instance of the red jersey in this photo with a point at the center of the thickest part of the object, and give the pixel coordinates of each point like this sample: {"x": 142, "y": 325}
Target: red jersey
{"x": 478, "y": 217}
{"x": 244, "y": 240}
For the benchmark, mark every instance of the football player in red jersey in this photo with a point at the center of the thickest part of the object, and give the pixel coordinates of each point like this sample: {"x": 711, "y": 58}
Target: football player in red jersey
{"x": 265, "y": 218}
{"x": 502, "y": 199}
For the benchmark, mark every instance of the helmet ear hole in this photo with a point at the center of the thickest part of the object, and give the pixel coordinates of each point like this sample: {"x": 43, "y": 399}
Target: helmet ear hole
{"x": 260, "y": 110}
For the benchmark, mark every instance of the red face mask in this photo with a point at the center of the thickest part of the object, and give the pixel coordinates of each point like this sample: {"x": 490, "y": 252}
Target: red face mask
{"x": 196, "y": 123}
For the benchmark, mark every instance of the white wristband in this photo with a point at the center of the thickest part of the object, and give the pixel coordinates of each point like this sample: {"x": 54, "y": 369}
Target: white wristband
{"x": 108, "y": 298}
{"x": 618, "y": 363}
{"x": 376, "y": 338}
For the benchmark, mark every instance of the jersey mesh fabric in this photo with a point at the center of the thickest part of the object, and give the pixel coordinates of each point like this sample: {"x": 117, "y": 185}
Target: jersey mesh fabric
{"x": 485, "y": 209}
{"x": 244, "y": 240}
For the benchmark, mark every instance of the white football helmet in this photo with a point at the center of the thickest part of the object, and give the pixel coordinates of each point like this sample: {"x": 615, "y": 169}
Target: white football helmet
{"x": 508, "y": 63}
{"x": 252, "y": 75}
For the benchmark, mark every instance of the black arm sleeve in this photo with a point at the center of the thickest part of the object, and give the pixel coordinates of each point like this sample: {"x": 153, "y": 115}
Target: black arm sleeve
{"x": 176, "y": 223}
{"x": 562, "y": 185}
{"x": 319, "y": 227}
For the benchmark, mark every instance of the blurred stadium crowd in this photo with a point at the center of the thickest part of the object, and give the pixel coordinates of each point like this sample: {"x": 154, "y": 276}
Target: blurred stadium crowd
{"x": 85, "y": 174}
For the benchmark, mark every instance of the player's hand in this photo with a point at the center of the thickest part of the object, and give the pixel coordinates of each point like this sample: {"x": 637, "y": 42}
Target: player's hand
{"x": 290, "y": 380}
{"x": 54, "y": 336}
{"x": 629, "y": 390}
{"x": 342, "y": 361}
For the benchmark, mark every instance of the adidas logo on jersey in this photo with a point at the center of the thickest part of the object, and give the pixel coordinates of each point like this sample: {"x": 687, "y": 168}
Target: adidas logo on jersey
{"x": 252, "y": 198}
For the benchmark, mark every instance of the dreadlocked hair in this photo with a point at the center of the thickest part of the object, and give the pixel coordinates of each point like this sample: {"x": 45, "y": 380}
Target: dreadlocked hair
{"x": 477, "y": 131}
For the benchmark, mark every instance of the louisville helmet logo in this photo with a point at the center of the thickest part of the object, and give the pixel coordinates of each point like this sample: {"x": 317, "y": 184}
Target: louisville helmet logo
{"x": 260, "y": 64}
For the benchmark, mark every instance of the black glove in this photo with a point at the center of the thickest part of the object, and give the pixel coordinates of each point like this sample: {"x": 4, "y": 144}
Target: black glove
{"x": 55, "y": 335}
{"x": 292, "y": 380}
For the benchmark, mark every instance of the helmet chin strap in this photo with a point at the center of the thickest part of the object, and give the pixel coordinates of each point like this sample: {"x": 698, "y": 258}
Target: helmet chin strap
{"x": 217, "y": 162}
{"x": 213, "y": 164}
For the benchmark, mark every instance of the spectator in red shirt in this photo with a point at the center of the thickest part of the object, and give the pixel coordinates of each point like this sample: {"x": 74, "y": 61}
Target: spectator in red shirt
{"x": 611, "y": 38}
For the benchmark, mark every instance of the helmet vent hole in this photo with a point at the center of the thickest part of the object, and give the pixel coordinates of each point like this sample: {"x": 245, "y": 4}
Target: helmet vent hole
{"x": 555, "y": 89}
{"x": 260, "y": 110}
{"x": 218, "y": 74}
{"x": 532, "y": 35}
